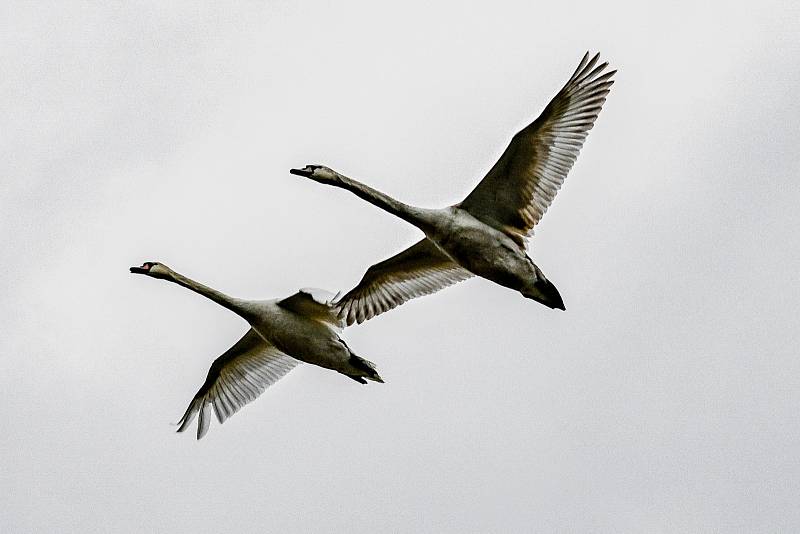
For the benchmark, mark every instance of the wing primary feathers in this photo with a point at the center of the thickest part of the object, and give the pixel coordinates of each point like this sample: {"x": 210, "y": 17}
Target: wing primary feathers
{"x": 520, "y": 187}
{"x": 417, "y": 271}
{"x": 235, "y": 379}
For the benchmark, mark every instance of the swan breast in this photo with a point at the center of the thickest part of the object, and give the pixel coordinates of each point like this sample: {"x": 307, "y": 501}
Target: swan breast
{"x": 303, "y": 338}
{"x": 482, "y": 249}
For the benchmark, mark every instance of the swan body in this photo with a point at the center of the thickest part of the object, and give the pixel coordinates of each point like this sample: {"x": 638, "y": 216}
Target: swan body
{"x": 307, "y": 340}
{"x": 459, "y": 235}
{"x": 283, "y": 332}
{"x": 485, "y": 234}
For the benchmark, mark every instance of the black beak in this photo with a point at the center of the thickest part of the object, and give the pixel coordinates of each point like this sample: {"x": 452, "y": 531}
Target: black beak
{"x": 144, "y": 269}
{"x": 301, "y": 172}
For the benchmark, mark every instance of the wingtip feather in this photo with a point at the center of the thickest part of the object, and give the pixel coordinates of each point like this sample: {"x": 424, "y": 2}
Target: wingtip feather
{"x": 188, "y": 416}
{"x": 204, "y": 422}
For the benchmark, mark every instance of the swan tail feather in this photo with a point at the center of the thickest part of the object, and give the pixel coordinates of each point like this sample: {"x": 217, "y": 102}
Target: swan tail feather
{"x": 366, "y": 369}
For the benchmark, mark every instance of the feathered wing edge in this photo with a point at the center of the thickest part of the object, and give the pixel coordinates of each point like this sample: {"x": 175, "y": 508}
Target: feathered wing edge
{"x": 236, "y": 378}
{"x": 520, "y": 187}
{"x": 419, "y": 270}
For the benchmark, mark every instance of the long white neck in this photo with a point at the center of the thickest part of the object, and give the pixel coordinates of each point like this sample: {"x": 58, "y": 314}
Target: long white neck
{"x": 237, "y": 306}
{"x": 422, "y": 218}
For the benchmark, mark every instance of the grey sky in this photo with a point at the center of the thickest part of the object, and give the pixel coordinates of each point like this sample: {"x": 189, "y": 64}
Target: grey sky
{"x": 665, "y": 399}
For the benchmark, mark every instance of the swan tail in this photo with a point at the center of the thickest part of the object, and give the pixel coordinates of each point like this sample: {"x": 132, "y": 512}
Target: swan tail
{"x": 365, "y": 370}
{"x": 543, "y": 290}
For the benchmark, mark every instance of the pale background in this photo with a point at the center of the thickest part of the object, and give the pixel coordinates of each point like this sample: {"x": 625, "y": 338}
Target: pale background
{"x": 665, "y": 399}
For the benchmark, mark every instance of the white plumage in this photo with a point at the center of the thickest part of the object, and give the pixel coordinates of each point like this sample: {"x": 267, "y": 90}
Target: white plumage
{"x": 485, "y": 235}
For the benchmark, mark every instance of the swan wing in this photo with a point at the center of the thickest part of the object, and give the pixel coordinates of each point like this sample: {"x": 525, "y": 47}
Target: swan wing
{"x": 315, "y": 304}
{"x": 517, "y": 191}
{"x": 236, "y": 378}
{"x": 419, "y": 270}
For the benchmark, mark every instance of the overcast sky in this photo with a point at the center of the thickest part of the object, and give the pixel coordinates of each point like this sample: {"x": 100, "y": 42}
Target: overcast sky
{"x": 665, "y": 398}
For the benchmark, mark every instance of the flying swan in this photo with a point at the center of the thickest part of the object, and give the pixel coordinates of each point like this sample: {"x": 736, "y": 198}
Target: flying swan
{"x": 485, "y": 235}
{"x": 283, "y": 333}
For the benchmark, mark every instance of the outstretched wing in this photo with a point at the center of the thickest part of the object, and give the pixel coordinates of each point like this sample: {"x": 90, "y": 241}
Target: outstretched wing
{"x": 419, "y": 270}
{"x": 517, "y": 191}
{"x": 236, "y": 378}
{"x": 315, "y": 304}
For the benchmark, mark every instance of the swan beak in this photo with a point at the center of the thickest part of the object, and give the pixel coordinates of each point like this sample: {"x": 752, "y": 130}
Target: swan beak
{"x": 144, "y": 269}
{"x": 301, "y": 172}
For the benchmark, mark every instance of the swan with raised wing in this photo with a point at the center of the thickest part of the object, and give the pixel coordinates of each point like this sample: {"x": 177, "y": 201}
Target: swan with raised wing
{"x": 484, "y": 235}
{"x": 283, "y": 332}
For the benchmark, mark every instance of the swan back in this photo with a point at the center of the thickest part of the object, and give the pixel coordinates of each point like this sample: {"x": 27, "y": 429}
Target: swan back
{"x": 315, "y": 304}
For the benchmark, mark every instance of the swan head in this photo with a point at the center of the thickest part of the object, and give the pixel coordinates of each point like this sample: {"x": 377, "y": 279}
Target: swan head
{"x": 318, "y": 173}
{"x": 153, "y": 268}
